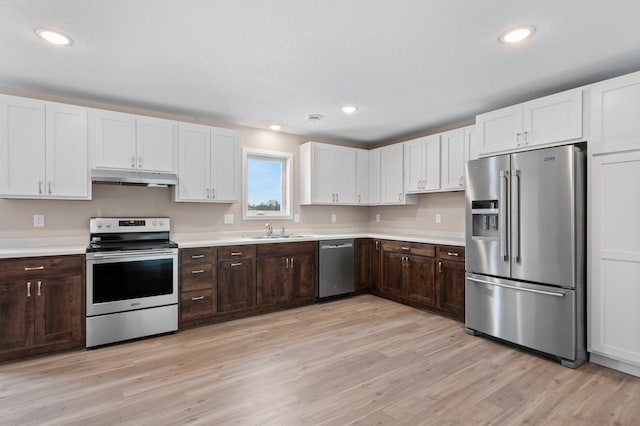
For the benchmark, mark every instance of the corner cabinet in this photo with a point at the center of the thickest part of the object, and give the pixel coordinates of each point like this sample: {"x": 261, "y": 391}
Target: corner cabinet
{"x": 546, "y": 121}
{"x": 43, "y": 150}
{"x": 127, "y": 141}
{"x": 209, "y": 164}
{"x": 42, "y": 305}
{"x": 327, "y": 174}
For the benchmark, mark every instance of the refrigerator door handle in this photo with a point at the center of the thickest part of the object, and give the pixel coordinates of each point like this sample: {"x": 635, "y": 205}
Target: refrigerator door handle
{"x": 502, "y": 214}
{"x": 530, "y": 290}
{"x": 515, "y": 215}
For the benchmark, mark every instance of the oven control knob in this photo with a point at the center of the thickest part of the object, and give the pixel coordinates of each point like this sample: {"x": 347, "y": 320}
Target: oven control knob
{"x": 161, "y": 223}
{"x": 154, "y": 223}
{"x": 108, "y": 225}
{"x": 99, "y": 225}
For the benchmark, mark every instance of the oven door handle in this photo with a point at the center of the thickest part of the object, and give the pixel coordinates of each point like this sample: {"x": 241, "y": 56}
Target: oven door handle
{"x": 131, "y": 253}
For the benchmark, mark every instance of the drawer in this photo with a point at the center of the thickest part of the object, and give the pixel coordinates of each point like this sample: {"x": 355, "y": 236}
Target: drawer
{"x": 287, "y": 249}
{"x": 451, "y": 253}
{"x": 11, "y": 269}
{"x": 228, "y": 253}
{"x": 197, "y": 277}
{"x": 197, "y": 304}
{"x": 198, "y": 255}
{"x": 416, "y": 249}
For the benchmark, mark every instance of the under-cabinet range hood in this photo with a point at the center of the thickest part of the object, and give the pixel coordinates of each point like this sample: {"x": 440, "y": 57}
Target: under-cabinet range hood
{"x": 133, "y": 177}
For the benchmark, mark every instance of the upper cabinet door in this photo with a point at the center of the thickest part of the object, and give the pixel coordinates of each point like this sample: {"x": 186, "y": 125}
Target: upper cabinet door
{"x": 374, "y": 176}
{"x": 115, "y": 143}
{"x": 432, "y": 163}
{"x": 22, "y": 147}
{"x": 499, "y": 130}
{"x": 362, "y": 176}
{"x": 615, "y": 113}
{"x": 555, "y": 118}
{"x": 322, "y": 178}
{"x": 154, "y": 144}
{"x": 471, "y": 143}
{"x": 344, "y": 175}
{"x": 226, "y": 165}
{"x": 453, "y": 157}
{"x": 391, "y": 174}
{"x": 414, "y": 160}
{"x": 67, "y": 169}
{"x": 194, "y": 163}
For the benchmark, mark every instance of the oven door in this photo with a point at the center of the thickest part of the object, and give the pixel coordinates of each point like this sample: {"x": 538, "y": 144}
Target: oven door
{"x": 124, "y": 281}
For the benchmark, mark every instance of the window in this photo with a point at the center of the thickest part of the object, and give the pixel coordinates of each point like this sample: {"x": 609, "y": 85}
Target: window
{"x": 267, "y": 184}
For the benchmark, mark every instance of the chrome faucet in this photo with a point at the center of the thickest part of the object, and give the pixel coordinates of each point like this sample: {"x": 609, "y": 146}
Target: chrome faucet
{"x": 269, "y": 229}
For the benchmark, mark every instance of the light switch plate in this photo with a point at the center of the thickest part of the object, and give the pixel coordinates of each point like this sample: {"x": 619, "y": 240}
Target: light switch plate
{"x": 296, "y": 218}
{"x": 334, "y": 218}
{"x": 377, "y": 217}
{"x": 38, "y": 221}
{"x": 228, "y": 219}
{"x": 438, "y": 218}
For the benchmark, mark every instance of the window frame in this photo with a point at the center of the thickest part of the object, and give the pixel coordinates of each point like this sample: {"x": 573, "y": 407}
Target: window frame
{"x": 286, "y": 213}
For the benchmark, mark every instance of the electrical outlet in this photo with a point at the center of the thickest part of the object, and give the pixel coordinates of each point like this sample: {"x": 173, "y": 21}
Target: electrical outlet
{"x": 438, "y": 218}
{"x": 296, "y": 218}
{"x": 228, "y": 219}
{"x": 38, "y": 221}
{"x": 377, "y": 217}
{"x": 334, "y": 219}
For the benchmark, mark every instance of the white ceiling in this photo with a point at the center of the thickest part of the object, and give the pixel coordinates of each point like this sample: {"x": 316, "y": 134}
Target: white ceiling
{"x": 410, "y": 65}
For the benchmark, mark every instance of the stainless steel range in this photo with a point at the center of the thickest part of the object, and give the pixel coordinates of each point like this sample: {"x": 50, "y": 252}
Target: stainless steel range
{"x": 132, "y": 279}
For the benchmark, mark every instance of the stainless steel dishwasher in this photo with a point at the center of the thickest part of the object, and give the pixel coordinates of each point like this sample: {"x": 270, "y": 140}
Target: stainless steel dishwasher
{"x": 336, "y": 268}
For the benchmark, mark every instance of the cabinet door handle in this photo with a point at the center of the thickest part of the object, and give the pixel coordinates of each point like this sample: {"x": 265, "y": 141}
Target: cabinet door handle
{"x": 461, "y": 181}
{"x": 197, "y": 298}
{"x": 400, "y": 196}
{"x": 452, "y": 254}
{"x": 236, "y": 264}
{"x": 286, "y": 262}
{"x": 526, "y": 138}
{"x": 34, "y": 268}
{"x": 29, "y": 289}
{"x": 39, "y": 288}
{"x": 440, "y": 266}
{"x": 49, "y": 187}
{"x": 406, "y": 260}
{"x": 208, "y": 193}
{"x": 133, "y": 161}
{"x": 292, "y": 262}
{"x": 518, "y": 139}
{"x": 337, "y": 198}
{"x": 213, "y": 193}
{"x": 199, "y": 271}
{"x": 140, "y": 162}
{"x": 377, "y": 245}
{"x": 197, "y": 256}
{"x": 359, "y": 198}
{"x": 39, "y": 187}
{"x": 236, "y": 253}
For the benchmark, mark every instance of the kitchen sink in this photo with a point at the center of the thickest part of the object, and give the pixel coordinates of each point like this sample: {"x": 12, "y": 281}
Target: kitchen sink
{"x": 275, "y": 236}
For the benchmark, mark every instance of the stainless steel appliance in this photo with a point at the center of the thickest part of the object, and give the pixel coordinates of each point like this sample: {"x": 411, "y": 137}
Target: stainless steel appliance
{"x": 335, "y": 275}
{"x": 132, "y": 279}
{"x": 525, "y": 250}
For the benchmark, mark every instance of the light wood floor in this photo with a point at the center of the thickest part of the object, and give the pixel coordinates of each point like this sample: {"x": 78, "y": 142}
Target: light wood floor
{"x": 362, "y": 360}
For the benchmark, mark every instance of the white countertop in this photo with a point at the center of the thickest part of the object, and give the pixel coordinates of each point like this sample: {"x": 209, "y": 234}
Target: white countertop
{"x": 32, "y": 247}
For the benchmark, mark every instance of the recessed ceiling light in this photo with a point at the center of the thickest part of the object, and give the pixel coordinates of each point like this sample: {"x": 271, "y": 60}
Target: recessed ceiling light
{"x": 349, "y": 109}
{"x": 53, "y": 37}
{"x": 275, "y": 127}
{"x": 314, "y": 117}
{"x": 516, "y": 35}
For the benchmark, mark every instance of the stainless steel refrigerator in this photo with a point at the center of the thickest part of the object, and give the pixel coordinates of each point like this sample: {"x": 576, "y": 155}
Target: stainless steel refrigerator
{"x": 525, "y": 250}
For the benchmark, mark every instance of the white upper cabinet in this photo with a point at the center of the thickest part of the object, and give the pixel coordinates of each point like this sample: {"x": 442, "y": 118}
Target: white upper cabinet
{"x": 328, "y": 174}
{"x": 392, "y": 176}
{"x": 43, "y": 147}
{"x": 374, "y": 176}
{"x": 546, "y": 121}
{"x": 362, "y": 176}
{"x": 422, "y": 164}
{"x": 615, "y": 115}
{"x": 471, "y": 143}
{"x": 127, "y": 141}
{"x": 453, "y": 145}
{"x": 209, "y": 164}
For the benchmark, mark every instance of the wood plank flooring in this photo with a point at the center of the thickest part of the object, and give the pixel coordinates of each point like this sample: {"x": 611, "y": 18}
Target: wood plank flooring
{"x": 362, "y": 360}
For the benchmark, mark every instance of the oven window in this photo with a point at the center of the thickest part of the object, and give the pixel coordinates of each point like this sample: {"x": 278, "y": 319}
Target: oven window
{"x": 132, "y": 280}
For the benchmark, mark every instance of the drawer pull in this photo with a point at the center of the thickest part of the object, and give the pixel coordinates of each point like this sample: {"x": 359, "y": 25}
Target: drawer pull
{"x": 236, "y": 253}
{"x": 405, "y": 248}
{"x": 197, "y": 298}
{"x": 199, "y": 271}
{"x": 236, "y": 264}
{"x": 452, "y": 254}
{"x": 34, "y": 268}
{"x": 197, "y": 256}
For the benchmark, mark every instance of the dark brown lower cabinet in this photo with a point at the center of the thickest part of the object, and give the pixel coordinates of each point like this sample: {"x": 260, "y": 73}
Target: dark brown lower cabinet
{"x": 286, "y": 272}
{"x": 393, "y": 274}
{"x": 451, "y": 281}
{"x": 362, "y": 264}
{"x": 236, "y": 278}
{"x": 420, "y": 279}
{"x": 41, "y": 305}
